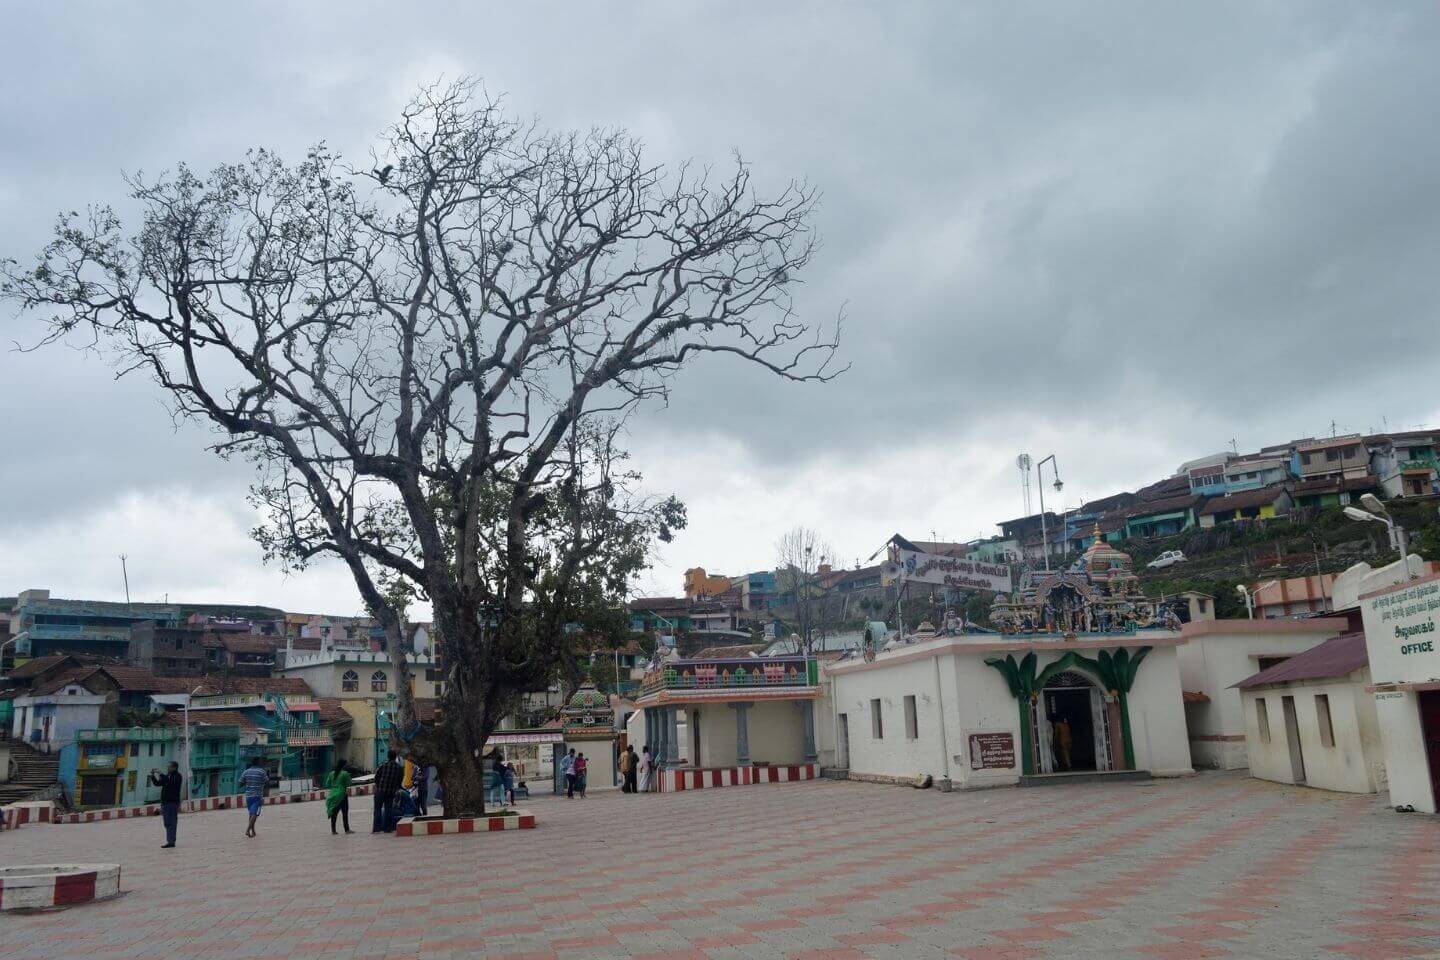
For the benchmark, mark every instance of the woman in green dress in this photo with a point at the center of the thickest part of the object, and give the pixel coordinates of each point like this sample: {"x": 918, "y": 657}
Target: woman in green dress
{"x": 337, "y": 802}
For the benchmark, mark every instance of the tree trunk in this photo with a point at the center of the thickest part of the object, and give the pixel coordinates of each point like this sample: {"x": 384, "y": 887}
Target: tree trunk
{"x": 462, "y": 778}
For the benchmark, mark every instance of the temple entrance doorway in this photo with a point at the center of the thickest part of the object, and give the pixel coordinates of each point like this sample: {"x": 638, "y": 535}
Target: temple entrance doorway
{"x": 1072, "y": 726}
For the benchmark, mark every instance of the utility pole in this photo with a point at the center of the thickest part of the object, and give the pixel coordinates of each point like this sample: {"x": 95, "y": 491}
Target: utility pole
{"x": 124, "y": 572}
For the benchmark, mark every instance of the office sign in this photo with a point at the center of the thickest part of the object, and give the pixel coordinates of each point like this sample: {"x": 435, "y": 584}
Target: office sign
{"x": 1402, "y": 631}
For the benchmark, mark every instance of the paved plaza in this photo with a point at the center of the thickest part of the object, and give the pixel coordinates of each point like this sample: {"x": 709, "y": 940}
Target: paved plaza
{"x": 1214, "y": 866}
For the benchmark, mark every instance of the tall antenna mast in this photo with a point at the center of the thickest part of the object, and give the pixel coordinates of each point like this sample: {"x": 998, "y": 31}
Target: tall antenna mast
{"x": 124, "y": 572}
{"x": 1023, "y": 462}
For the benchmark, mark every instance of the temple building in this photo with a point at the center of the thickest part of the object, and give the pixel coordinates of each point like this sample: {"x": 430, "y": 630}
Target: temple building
{"x": 720, "y": 721}
{"x": 1080, "y": 675}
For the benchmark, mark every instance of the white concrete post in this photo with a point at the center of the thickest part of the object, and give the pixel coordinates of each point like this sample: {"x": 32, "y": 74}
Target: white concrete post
{"x": 672, "y": 737}
{"x": 742, "y": 734}
{"x": 807, "y": 727}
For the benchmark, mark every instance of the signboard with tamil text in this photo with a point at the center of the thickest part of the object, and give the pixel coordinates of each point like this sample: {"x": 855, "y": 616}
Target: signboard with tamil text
{"x": 1402, "y": 631}
{"x": 960, "y": 572}
{"x": 992, "y": 751}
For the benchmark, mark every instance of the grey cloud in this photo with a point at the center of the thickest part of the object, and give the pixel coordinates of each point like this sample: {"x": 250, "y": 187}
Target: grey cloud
{"x": 1174, "y": 217}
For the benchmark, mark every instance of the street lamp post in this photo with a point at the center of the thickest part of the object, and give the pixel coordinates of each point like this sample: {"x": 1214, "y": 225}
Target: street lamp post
{"x": 1375, "y": 512}
{"x": 189, "y": 773}
{"x": 1040, "y": 483}
{"x": 1249, "y": 598}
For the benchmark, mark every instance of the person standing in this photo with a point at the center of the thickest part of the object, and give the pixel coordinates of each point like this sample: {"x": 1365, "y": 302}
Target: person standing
{"x": 625, "y": 771}
{"x": 169, "y": 783}
{"x": 567, "y": 767}
{"x": 337, "y": 801}
{"x": 647, "y": 763}
{"x": 632, "y": 769}
{"x": 253, "y": 783}
{"x": 422, "y": 790}
{"x": 507, "y": 775}
{"x": 1063, "y": 741}
{"x": 387, "y": 781}
{"x": 582, "y": 767}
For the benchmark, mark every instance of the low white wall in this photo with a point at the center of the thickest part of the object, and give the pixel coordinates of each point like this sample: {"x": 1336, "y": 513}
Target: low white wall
{"x": 1217, "y": 655}
{"x": 1157, "y": 716}
{"x": 717, "y": 734}
{"x": 895, "y": 754}
{"x": 776, "y": 735}
{"x": 1345, "y": 766}
{"x": 1406, "y": 764}
{"x": 983, "y": 704}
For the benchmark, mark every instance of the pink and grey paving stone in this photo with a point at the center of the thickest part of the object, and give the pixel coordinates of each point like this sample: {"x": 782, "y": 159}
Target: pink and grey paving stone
{"x": 1213, "y": 866}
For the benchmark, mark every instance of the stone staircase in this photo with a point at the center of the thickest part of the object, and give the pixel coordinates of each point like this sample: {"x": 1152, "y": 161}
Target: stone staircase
{"x": 32, "y": 772}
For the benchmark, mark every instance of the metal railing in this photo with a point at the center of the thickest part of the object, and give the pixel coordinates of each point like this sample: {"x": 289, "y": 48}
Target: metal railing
{"x": 756, "y": 673}
{"x": 113, "y": 734}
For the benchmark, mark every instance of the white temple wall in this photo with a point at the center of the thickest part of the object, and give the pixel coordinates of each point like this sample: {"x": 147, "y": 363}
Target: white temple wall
{"x": 1157, "y": 716}
{"x": 895, "y": 755}
{"x": 1220, "y": 653}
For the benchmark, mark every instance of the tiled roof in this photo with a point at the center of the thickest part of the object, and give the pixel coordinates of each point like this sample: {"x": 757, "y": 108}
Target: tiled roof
{"x": 728, "y": 653}
{"x": 1243, "y": 500}
{"x": 1168, "y": 505}
{"x": 140, "y": 680}
{"x": 84, "y": 676}
{"x": 1308, "y": 446}
{"x": 1106, "y": 504}
{"x": 1164, "y": 488}
{"x": 332, "y": 714}
{"x": 286, "y": 686}
{"x": 659, "y": 603}
{"x": 248, "y": 644}
{"x": 1332, "y": 485}
{"x": 1336, "y": 657}
{"x": 218, "y": 718}
{"x": 33, "y": 668}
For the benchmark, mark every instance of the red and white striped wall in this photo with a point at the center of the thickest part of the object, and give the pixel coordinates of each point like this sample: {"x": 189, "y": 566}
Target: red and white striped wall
{"x": 673, "y": 781}
{"x": 430, "y": 828}
{"x": 57, "y": 885}
{"x": 229, "y": 802}
{"x": 16, "y": 815}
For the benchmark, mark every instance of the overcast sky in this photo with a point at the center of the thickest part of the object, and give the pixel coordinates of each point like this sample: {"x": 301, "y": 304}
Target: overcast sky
{"x": 1125, "y": 234}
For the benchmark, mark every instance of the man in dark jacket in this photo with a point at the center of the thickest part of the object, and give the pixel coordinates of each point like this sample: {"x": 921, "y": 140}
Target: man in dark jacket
{"x": 169, "y": 783}
{"x": 387, "y": 781}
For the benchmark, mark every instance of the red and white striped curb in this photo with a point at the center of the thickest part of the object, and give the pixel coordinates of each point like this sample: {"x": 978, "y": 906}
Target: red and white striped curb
{"x": 15, "y": 815}
{"x": 674, "y": 781}
{"x": 519, "y": 820}
{"x": 57, "y": 885}
{"x": 229, "y": 802}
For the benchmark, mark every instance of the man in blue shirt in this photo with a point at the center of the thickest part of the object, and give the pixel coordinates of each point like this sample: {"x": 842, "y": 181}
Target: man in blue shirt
{"x": 567, "y": 767}
{"x": 253, "y": 782}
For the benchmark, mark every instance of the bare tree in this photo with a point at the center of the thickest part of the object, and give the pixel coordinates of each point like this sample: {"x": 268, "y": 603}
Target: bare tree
{"x": 798, "y": 556}
{"x": 429, "y": 359}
